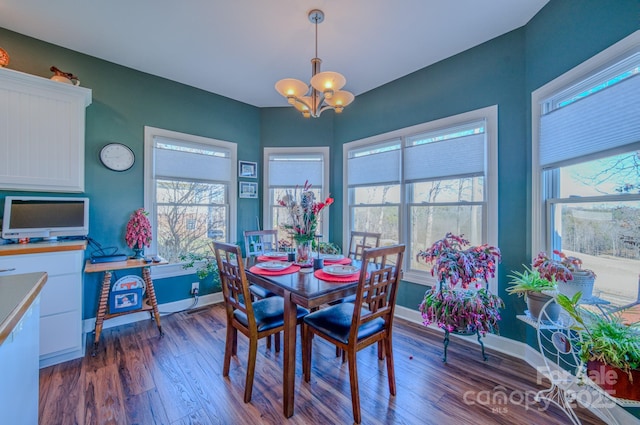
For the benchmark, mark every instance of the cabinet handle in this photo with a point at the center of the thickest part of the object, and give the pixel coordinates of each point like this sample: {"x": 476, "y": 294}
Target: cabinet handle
{"x": 12, "y": 269}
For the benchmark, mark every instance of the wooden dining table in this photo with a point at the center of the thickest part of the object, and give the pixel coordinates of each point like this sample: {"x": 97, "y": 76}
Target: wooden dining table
{"x": 305, "y": 290}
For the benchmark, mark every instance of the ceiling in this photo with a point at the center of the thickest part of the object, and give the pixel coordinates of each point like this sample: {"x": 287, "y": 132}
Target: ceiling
{"x": 240, "y": 48}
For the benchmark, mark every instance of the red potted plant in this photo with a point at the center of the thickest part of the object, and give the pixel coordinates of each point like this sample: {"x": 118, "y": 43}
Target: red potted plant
{"x": 138, "y": 234}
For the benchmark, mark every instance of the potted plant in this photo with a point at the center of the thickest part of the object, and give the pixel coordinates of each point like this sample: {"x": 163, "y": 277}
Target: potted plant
{"x": 530, "y": 284}
{"x": 610, "y": 349}
{"x": 460, "y": 303}
{"x": 568, "y": 272}
{"x": 138, "y": 234}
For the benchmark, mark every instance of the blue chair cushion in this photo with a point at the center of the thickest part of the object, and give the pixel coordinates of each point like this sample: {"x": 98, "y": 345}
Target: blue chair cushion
{"x": 260, "y": 292}
{"x": 335, "y": 321}
{"x": 269, "y": 313}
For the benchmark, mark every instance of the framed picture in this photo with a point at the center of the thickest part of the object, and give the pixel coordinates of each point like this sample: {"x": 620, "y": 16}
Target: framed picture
{"x": 248, "y": 190}
{"x": 126, "y": 300}
{"x": 248, "y": 169}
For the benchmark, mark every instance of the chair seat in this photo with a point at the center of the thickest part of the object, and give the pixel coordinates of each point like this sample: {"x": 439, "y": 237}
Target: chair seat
{"x": 335, "y": 321}
{"x": 269, "y": 313}
{"x": 260, "y": 292}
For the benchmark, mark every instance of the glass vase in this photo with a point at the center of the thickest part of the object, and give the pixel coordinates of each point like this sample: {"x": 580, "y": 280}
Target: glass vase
{"x": 303, "y": 252}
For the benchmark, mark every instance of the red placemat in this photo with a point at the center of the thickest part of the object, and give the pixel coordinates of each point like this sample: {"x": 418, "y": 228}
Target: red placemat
{"x": 291, "y": 269}
{"x": 263, "y": 258}
{"x": 342, "y": 261}
{"x": 320, "y": 274}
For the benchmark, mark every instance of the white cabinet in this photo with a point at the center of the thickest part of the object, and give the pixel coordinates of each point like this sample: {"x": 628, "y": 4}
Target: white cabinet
{"x": 60, "y": 301}
{"x": 42, "y": 126}
{"x": 19, "y": 371}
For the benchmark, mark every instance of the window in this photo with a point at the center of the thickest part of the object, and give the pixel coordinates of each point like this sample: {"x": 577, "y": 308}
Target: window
{"x": 416, "y": 184}
{"x": 284, "y": 169}
{"x": 587, "y": 168}
{"x": 189, "y": 193}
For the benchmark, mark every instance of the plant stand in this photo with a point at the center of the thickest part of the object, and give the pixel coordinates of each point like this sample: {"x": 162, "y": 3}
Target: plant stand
{"x": 466, "y": 333}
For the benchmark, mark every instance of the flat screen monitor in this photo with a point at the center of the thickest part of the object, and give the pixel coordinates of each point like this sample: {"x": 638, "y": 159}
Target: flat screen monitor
{"x": 45, "y": 217}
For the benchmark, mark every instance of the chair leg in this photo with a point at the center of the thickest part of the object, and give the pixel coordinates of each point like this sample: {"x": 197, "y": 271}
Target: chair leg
{"x": 276, "y": 338}
{"x": 234, "y": 344}
{"x": 251, "y": 368}
{"x": 344, "y": 356}
{"x": 380, "y": 350}
{"x": 353, "y": 380}
{"x": 268, "y": 342}
{"x": 390, "y": 368}
{"x": 307, "y": 339}
{"x": 338, "y": 351}
{"x": 228, "y": 350}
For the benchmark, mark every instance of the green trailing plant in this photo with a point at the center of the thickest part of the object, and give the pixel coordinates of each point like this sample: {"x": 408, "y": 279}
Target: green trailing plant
{"x": 327, "y": 248}
{"x": 529, "y": 280}
{"x": 604, "y": 339}
{"x": 462, "y": 310}
{"x": 206, "y": 265}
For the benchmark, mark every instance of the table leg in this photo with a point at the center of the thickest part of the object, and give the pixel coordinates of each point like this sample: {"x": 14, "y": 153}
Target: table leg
{"x": 102, "y": 310}
{"x": 151, "y": 293}
{"x": 290, "y": 319}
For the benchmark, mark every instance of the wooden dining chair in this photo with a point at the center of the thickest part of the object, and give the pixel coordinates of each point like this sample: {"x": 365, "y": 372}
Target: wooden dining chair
{"x": 255, "y": 319}
{"x": 359, "y": 241}
{"x": 366, "y": 321}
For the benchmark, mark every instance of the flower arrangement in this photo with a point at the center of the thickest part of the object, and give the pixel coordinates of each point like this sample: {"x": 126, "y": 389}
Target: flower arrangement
{"x": 138, "y": 234}
{"x": 461, "y": 309}
{"x": 303, "y": 211}
{"x": 558, "y": 270}
{"x": 452, "y": 261}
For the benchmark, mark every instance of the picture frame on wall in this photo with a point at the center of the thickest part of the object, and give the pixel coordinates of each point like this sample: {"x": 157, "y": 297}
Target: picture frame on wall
{"x": 248, "y": 190}
{"x": 248, "y": 169}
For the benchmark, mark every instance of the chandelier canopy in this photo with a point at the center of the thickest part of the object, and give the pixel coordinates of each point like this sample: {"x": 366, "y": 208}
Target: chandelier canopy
{"x": 324, "y": 91}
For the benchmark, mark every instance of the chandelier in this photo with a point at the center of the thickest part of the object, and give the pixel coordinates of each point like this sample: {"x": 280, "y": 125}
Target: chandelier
{"x": 324, "y": 91}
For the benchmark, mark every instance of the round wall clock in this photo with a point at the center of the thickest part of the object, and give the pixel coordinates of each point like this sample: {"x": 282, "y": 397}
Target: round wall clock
{"x": 117, "y": 157}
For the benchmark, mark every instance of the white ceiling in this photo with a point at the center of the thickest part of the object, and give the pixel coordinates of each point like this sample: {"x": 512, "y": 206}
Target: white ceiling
{"x": 240, "y": 48}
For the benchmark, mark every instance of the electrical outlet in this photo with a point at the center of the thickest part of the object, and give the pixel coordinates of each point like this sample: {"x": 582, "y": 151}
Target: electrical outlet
{"x": 195, "y": 288}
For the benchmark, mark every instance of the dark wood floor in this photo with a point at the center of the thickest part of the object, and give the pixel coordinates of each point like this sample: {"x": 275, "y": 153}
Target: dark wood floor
{"x": 139, "y": 378}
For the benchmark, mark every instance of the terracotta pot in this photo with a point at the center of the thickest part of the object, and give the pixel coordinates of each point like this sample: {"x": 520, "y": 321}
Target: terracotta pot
{"x": 615, "y": 381}
{"x": 537, "y": 300}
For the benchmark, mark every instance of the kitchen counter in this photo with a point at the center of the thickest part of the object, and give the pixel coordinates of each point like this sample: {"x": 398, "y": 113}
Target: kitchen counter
{"x": 17, "y": 293}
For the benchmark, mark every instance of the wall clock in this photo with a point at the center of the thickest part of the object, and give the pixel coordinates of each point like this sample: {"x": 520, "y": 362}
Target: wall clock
{"x": 117, "y": 157}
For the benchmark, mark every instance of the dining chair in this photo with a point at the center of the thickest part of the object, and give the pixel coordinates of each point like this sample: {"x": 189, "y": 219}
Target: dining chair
{"x": 255, "y": 319}
{"x": 358, "y": 241}
{"x": 352, "y": 326}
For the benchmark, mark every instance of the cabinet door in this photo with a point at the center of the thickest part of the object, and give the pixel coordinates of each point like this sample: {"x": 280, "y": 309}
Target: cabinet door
{"x": 42, "y": 137}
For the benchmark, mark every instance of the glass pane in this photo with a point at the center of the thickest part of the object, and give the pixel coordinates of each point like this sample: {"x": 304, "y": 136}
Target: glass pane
{"x": 377, "y": 194}
{"x": 382, "y": 220}
{"x": 430, "y": 223}
{"x": 612, "y": 175}
{"x": 469, "y": 189}
{"x": 190, "y": 215}
{"x": 606, "y": 236}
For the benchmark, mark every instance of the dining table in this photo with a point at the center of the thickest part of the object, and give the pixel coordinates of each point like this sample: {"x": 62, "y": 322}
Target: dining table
{"x": 301, "y": 288}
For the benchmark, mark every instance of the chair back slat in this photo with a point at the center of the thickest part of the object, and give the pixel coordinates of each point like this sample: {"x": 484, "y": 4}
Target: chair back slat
{"x": 257, "y": 242}
{"x": 378, "y": 288}
{"x": 235, "y": 287}
{"x": 360, "y": 241}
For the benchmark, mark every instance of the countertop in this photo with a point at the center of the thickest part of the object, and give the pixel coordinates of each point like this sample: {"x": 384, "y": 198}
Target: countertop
{"x": 38, "y": 247}
{"x": 17, "y": 293}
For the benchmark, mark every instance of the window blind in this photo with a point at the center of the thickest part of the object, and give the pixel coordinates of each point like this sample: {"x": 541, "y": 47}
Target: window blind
{"x": 446, "y": 158}
{"x": 602, "y": 121}
{"x": 176, "y": 159}
{"x": 379, "y": 164}
{"x": 293, "y": 169}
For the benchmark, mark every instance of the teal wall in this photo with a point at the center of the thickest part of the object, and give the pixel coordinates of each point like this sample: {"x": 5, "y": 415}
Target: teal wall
{"x": 502, "y": 71}
{"x": 124, "y": 101}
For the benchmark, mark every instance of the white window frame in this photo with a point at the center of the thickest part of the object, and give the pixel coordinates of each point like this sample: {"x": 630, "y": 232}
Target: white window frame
{"x": 267, "y": 219}
{"x": 175, "y": 269}
{"x": 540, "y": 229}
{"x": 490, "y": 115}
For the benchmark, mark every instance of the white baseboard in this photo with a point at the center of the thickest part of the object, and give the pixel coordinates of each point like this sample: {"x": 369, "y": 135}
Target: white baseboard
{"x": 88, "y": 325}
{"x": 611, "y": 413}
